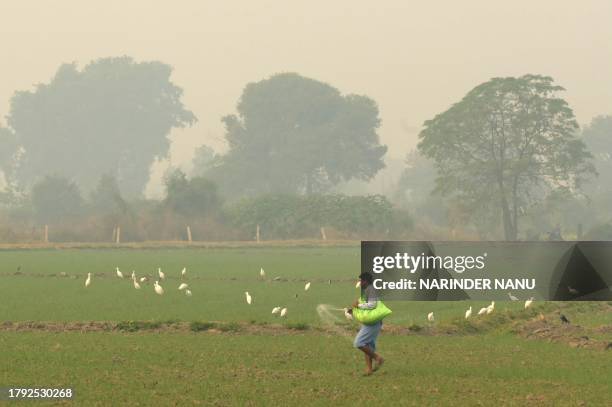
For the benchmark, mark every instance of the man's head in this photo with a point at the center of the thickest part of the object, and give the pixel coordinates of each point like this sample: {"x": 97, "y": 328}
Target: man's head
{"x": 366, "y": 279}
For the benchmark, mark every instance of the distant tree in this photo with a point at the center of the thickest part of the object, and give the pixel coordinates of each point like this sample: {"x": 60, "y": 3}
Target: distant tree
{"x": 112, "y": 117}
{"x": 56, "y": 199}
{"x": 203, "y": 160}
{"x": 298, "y": 135}
{"x": 506, "y": 139}
{"x": 106, "y": 198}
{"x": 191, "y": 197}
{"x": 598, "y": 138}
{"x": 9, "y": 147}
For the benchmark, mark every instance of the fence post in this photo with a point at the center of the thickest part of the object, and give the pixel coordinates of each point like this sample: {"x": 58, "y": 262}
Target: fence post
{"x": 118, "y": 235}
{"x": 188, "y": 234}
{"x": 323, "y": 235}
{"x": 46, "y": 233}
{"x": 257, "y": 234}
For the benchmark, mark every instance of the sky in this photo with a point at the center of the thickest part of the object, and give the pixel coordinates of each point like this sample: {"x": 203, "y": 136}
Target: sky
{"x": 415, "y": 59}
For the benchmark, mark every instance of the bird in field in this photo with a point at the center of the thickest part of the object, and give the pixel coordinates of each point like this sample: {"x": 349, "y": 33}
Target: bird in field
{"x": 158, "y": 288}
{"x": 358, "y": 284}
{"x": 528, "y": 303}
{"x": 133, "y": 275}
{"x": 88, "y": 281}
{"x": 249, "y": 299}
{"x": 276, "y": 310}
{"x": 468, "y": 313}
{"x": 283, "y": 312}
{"x": 512, "y": 297}
{"x": 162, "y": 276}
{"x": 348, "y": 314}
{"x": 184, "y": 272}
{"x": 188, "y": 293}
{"x": 329, "y": 282}
{"x": 564, "y": 319}
{"x": 430, "y": 317}
{"x": 136, "y": 285}
{"x": 491, "y": 308}
{"x": 307, "y": 286}
{"x": 119, "y": 273}
{"x": 262, "y": 273}
{"x": 143, "y": 279}
{"x": 482, "y": 311}
{"x": 183, "y": 286}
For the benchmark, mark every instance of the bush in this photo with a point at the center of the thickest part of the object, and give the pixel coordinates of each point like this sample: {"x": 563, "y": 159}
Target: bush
{"x": 197, "y": 326}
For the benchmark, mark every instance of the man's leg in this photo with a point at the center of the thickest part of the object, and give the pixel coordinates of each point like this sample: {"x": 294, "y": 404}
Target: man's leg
{"x": 368, "y": 358}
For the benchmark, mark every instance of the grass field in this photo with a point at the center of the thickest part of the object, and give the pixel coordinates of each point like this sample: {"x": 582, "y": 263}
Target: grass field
{"x": 450, "y": 362}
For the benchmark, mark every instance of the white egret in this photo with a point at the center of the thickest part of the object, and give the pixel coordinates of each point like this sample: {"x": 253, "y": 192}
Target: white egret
{"x": 358, "y": 284}
{"x": 528, "y": 302}
{"x": 283, "y": 312}
{"x": 347, "y": 314}
{"x": 468, "y": 313}
{"x": 158, "y": 288}
{"x": 183, "y": 286}
{"x": 184, "y": 272}
{"x": 512, "y": 297}
{"x": 143, "y": 279}
{"x": 276, "y": 310}
{"x": 262, "y": 273}
{"x": 133, "y": 275}
{"x": 119, "y": 273}
{"x": 188, "y": 293}
{"x": 88, "y": 281}
{"x": 430, "y": 317}
{"x": 136, "y": 285}
{"x": 249, "y": 299}
{"x": 307, "y": 286}
{"x": 482, "y": 311}
{"x": 491, "y": 307}
{"x": 162, "y": 276}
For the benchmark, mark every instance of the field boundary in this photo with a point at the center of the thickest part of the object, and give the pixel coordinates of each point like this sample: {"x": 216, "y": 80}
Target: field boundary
{"x": 181, "y": 244}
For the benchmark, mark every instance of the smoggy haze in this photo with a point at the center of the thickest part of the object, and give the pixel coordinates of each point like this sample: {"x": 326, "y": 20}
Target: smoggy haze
{"x": 413, "y": 59}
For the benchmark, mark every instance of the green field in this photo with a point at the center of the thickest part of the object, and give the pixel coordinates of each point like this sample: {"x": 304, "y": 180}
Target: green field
{"x": 263, "y": 360}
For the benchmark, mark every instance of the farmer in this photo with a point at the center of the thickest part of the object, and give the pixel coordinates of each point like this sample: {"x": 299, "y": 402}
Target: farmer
{"x": 366, "y": 338}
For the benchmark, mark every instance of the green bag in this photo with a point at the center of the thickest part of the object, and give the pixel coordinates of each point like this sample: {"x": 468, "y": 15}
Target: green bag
{"x": 371, "y": 316}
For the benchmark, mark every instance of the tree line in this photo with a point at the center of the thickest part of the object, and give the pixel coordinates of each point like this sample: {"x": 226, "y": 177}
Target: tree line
{"x": 84, "y": 144}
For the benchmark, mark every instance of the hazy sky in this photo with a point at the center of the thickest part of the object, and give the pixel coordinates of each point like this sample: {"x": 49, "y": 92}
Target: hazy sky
{"x": 414, "y": 59}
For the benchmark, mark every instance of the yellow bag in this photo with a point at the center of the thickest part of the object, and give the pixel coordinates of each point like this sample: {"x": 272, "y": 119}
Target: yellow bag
{"x": 371, "y": 316}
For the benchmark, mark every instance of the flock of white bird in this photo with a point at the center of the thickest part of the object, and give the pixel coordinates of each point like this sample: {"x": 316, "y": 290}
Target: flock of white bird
{"x": 485, "y": 310}
{"x": 281, "y": 311}
{"x": 156, "y": 286}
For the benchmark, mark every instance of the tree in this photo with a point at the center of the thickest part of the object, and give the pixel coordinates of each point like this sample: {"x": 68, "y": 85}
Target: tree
{"x": 106, "y": 198}
{"x": 203, "y": 159}
{"x": 112, "y": 117}
{"x": 191, "y": 197}
{"x": 506, "y": 140}
{"x": 9, "y": 148}
{"x": 298, "y": 135}
{"x": 598, "y": 138}
{"x": 56, "y": 199}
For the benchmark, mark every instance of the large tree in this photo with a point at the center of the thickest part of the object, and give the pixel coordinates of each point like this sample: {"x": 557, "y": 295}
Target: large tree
{"x": 507, "y": 140}
{"x": 297, "y": 135}
{"x": 56, "y": 199}
{"x": 598, "y": 138}
{"x": 111, "y": 117}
